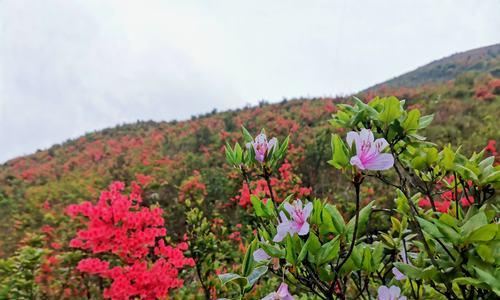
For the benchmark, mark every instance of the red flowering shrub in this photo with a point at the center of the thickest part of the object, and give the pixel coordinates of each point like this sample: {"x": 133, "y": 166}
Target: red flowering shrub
{"x": 118, "y": 224}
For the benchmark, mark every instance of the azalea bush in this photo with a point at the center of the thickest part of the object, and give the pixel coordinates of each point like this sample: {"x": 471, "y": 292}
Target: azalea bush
{"x": 126, "y": 246}
{"x": 438, "y": 239}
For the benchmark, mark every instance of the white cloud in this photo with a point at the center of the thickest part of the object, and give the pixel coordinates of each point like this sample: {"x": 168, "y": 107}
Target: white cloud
{"x": 67, "y": 67}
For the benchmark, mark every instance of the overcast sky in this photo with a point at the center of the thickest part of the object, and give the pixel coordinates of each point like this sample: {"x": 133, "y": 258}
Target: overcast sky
{"x": 70, "y": 67}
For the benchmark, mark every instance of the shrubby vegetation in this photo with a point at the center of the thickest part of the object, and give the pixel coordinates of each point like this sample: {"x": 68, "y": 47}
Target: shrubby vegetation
{"x": 448, "y": 251}
{"x": 425, "y": 225}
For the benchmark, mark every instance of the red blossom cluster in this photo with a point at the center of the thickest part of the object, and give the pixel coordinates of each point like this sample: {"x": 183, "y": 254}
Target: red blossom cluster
{"x": 488, "y": 91}
{"x": 443, "y": 203}
{"x": 491, "y": 148}
{"x": 192, "y": 188}
{"x": 118, "y": 224}
{"x": 144, "y": 180}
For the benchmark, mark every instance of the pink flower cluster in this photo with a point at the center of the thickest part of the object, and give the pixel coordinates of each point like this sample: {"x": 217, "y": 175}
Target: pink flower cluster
{"x": 118, "y": 224}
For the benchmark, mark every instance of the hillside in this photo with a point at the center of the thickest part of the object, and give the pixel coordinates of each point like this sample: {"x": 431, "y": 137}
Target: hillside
{"x": 171, "y": 159}
{"x": 480, "y": 60}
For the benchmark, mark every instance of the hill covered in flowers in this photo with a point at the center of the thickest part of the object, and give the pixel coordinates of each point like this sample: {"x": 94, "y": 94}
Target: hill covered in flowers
{"x": 179, "y": 170}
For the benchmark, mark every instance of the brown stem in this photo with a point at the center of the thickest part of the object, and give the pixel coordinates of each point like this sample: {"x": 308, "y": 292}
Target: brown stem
{"x": 357, "y": 183}
{"x": 267, "y": 177}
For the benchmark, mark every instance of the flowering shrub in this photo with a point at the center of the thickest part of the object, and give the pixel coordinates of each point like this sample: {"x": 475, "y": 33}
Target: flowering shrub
{"x": 161, "y": 157}
{"x": 139, "y": 264}
{"x": 444, "y": 234}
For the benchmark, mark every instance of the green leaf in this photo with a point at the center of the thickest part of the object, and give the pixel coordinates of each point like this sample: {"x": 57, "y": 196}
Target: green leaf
{"x": 367, "y": 259}
{"x": 272, "y": 250}
{"x": 429, "y": 228}
{"x": 246, "y": 135}
{"x": 340, "y": 158}
{"x": 256, "y": 274}
{"x": 486, "y": 162}
{"x": 486, "y": 253}
{"x": 316, "y": 213}
{"x": 238, "y": 154}
{"x": 337, "y": 219}
{"x": 491, "y": 178}
{"x": 229, "y": 154}
{"x": 448, "y": 158}
{"x": 396, "y": 225}
{"x": 328, "y": 251}
{"x": 467, "y": 173}
{"x": 416, "y": 273}
{"x": 248, "y": 260}
{"x": 482, "y": 234}
{"x": 290, "y": 250}
{"x": 489, "y": 278}
{"x": 234, "y": 278}
{"x": 470, "y": 281}
{"x": 411, "y": 122}
{"x": 425, "y": 121}
{"x": 312, "y": 246}
{"x": 268, "y": 208}
{"x": 448, "y": 231}
{"x": 391, "y": 110}
{"x": 474, "y": 222}
{"x": 257, "y": 205}
{"x": 364, "y": 214}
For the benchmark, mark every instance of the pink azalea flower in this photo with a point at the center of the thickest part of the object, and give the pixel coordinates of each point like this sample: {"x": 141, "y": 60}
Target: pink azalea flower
{"x": 261, "y": 146}
{"x": 392, "y": 293}
{"x": 260, "y": 255}
{"x": 298, "y": 222}
{"x": 368, "y": 151}
{"x": 281, "y": 294}
{"x": 398, "y": 274}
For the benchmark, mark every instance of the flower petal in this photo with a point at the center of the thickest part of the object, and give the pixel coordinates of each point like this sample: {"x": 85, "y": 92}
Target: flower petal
{"x": 271, "y": 296}
{"x": 289, "y": 208}
{"x": 272, "y": 144}
{"x": 307, "y": 210}
{"x": 261, "y": 138}
{"x": 304, "y": 229}
{"x": 352, "y": 136}
{"x": 383, "y": 293}
{"x": 283, "y": 217}
{"x": 380, "y": 162}
{"x": 366, "y": 135}
{"x": 381, "y": 144}
{"x": 395, "y": 292}
{"x": 355, "y": 161}
{"x": 260, "y": 255}
{"x": 397, "y": 274}
{"x": 283, "y": 229}
{"x": 282, "y": 290}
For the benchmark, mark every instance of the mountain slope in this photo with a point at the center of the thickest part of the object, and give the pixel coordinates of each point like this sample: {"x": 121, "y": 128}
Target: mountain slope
{"x": 170, "y": 154}
{"x": 481, "y": 60}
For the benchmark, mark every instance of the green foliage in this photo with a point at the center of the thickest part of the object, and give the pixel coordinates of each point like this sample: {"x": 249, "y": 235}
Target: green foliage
{"x": 450, "y": 250}
{"x": 17, "y": 274}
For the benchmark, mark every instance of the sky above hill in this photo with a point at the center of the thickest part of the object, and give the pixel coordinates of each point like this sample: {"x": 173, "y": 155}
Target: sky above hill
{"x": 70, "y": 67}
